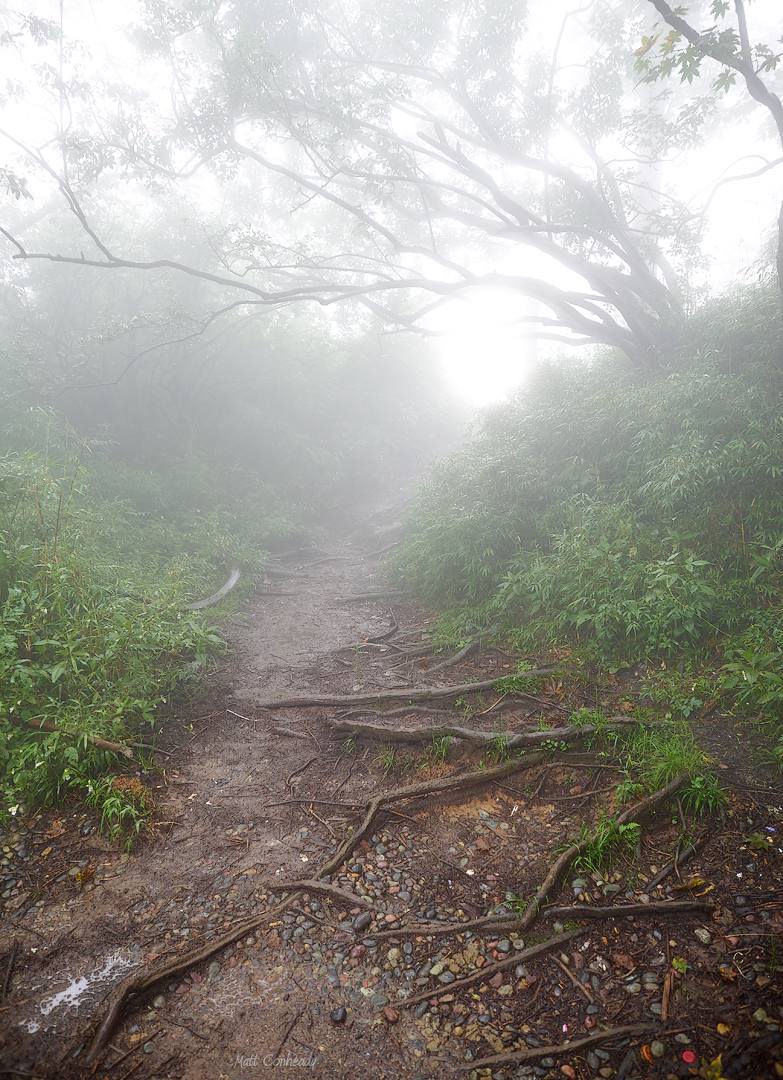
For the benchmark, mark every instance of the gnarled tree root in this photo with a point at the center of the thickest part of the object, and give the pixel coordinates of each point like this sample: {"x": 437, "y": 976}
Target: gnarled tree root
{"x": 495, "y": 923}
{"x": 473, "y": 735}
{"x": 429, "y": 693}
{"x": 140, "y": 981}
{"x": 612, "y": 911}
{"x": 561, "y": 865}
{"x": 517, "y": 1056}
{"x": 491, "y": 969}
{"x": 215, "y": 598}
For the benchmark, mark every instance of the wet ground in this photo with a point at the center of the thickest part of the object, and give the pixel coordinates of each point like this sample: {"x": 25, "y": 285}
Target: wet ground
{"x": 378, "y": 969}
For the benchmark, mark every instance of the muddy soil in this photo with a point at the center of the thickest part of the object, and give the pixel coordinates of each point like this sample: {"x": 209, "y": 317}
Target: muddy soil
{"x": 376, "y": 968}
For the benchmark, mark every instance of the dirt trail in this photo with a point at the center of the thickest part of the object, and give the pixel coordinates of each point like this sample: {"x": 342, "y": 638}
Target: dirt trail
{"x": 323, "y": 990}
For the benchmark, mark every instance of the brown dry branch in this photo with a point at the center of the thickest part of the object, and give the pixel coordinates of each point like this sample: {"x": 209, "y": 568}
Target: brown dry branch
{"x": 429, "y": 693}
{"x": 668, "y": 982}
{"x": 9, "y": 969}
{"x": 516, "y": 1056}
{"x": 116, "y": 748}
{"x": 585, "y": 990}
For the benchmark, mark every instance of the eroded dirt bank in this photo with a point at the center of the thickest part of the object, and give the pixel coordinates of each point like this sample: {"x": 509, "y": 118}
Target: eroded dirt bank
{"x": 381, "y": 966}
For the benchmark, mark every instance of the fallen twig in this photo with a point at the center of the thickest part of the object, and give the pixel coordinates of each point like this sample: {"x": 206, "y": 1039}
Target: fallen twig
{"x": 301, "y": 769}
{"x": 684, "y": 855}
{"x": 586, "y": 991}
{"x": 286, "y": 1033}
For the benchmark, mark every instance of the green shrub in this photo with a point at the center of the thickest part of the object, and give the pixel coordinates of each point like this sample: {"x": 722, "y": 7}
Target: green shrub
{"x": 640, "y": 515}
{"x": 82, "y": 654}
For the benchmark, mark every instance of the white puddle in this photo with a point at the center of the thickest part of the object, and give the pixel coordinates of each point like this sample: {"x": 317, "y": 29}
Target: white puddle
{"x": 73, "y": 994}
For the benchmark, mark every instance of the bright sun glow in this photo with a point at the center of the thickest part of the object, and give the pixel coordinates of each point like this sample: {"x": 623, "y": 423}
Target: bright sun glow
{"x": 483, "y": 350}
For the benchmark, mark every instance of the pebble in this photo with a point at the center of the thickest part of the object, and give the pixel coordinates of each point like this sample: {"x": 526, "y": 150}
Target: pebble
{"x": 374, "y": 973}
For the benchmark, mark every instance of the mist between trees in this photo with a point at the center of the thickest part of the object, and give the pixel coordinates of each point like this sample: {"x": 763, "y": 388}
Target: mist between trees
{"x": 217, "y": 222}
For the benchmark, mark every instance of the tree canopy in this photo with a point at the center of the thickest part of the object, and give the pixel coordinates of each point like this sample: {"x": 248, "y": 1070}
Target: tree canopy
{"x": 388, "y": 158}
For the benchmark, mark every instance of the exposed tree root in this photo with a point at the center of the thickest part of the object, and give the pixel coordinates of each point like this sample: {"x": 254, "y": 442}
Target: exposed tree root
{"x": 467, "y": 650}
{"x": 416, "y": 791}
{"x": 561, "y": 865}
{"x": 509, "y": 921}
{"x": 492, "y": 969}
{"x": 359, "y": 598}
{"x": 425, "y": 694}
{"x": 404, "y": 710}
{"x": 377, "y": 640}
{"x": 473, "y": 735}
{"x": 657, "y": 908}
{"x": 382, "y": 551}
{"x": 516, "y": 1056}
{"x": 323, "y": 888}
{"x": 139, "y": 982}
{"x": 216, "y": 597}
